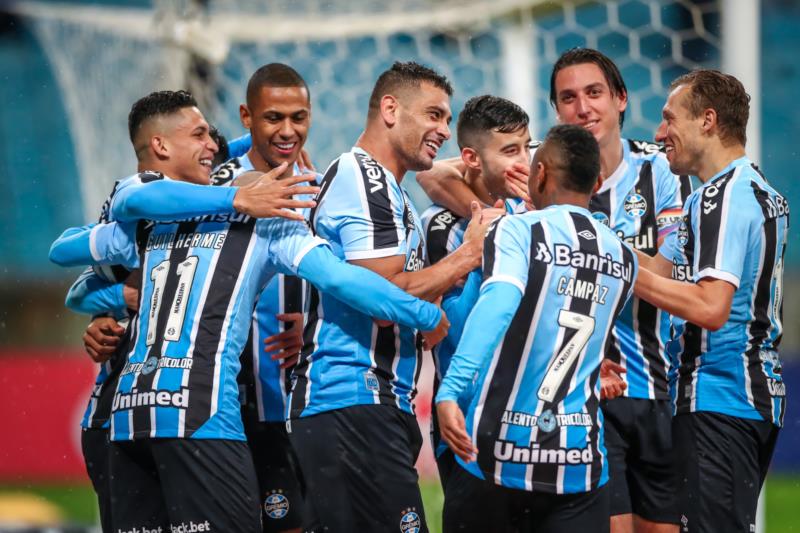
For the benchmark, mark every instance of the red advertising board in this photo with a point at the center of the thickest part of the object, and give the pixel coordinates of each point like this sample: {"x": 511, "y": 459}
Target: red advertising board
{"x": 42, "y": 398}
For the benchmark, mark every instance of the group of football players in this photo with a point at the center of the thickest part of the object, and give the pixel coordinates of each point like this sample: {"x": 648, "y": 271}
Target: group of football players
{"x": 605, "y": 340}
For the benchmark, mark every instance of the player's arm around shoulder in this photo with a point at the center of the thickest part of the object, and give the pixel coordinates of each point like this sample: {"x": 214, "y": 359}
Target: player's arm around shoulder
{"x": 444, "y": 184}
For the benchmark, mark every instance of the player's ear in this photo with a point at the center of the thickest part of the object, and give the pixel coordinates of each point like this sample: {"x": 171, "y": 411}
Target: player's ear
{"x": 244, "y": 117}
{"x": 471, "y": 158}
{"x": 599, "y": 183}
{"x": 623, "y": 101}
{"x": 159, "y": 146}
{"x": 389, "y": 106}
{"x": 538, "y": 179}
{"x": 709, "y": 120}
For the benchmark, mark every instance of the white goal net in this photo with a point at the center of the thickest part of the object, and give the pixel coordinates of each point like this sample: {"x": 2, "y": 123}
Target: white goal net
{"x": 106, "y": 58}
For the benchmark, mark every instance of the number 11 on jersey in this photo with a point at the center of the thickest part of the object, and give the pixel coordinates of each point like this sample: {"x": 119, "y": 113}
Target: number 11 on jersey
{"x": 177, "y": 311}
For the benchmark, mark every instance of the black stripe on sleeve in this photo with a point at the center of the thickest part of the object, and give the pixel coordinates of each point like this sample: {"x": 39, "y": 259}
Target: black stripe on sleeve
{"x": 710, "y": 221}
{"x": 438, "y": 234}
{"x": 381, "y": 215}
{"x": 324, "y": 187}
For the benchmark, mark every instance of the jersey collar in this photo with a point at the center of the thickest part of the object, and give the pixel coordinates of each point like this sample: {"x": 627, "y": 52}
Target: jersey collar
{"x": 612, "y": 180}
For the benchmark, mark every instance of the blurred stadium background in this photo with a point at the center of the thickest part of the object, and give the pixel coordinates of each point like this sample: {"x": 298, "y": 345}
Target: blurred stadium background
{"x": 71, "y": 70}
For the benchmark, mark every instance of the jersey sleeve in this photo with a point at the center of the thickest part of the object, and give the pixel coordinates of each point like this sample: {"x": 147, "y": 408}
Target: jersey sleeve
{"x": 442, "y": 233}
{"x": 669, "y": 198}
{"x": 722, "y": 225}
{"x": 92, "y": 295}
{"x": 99, "y": 244}
{"x": 669, "y": 248}
{"x": 288, "y": 241}
{"x": 505, "y": 253}
{"x": 166, "y": 199}
{"x": 366, "y": 291}
{"x": 362, "y": 209}
{"x": 496, "y": 305}
{"x": 240, "y": 145}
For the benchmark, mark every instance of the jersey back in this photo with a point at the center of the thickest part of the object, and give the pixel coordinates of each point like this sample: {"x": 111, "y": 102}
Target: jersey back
{"x": 642, "y": 201}
{"x": 534, "y": 412}
{"x": 735, "y": 228}
{"x": 200, "y": 282}
{"x": 348, "y": 359}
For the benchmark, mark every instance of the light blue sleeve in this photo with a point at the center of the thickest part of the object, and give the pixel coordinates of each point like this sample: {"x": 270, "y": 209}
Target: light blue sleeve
{"x": 366, "y": 291}
{"x": 458, "y": 303}
{"x": 92, "y": 295}
{"x": 98, "y": 244}
{"x": 496, "y": 306}
{"x": 167, "y": 199}
{"x": 239, "y": 146}
{"x": 669, "y": 248}
{"x": 362, "y": 210}
{"x": 506, "y": 252}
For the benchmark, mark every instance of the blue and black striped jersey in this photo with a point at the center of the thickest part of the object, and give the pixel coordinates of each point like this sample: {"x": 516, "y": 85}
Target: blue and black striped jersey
{"x": 348, "y": 359}
{"x": 201, "y": 278}
{"x": 261, "y": 377}
{"x": 444, "y": 233}
{"x": 528, "y": 362}
{"x": 641, "y": 201}
{"x": 734, "y": 228}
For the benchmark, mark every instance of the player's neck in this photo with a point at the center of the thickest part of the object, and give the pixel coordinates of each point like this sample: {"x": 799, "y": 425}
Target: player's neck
{"x": 610, "y": 155}
{"x": 717, "y": 158}
{"x": 565, "y": 197}
{"x": 477, "y": 184}
{"x": 260, "y": 164}
{"x": 381, "y": 151}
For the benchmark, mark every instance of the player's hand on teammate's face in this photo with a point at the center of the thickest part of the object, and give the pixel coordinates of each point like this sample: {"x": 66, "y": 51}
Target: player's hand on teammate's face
{"x": 304, "y": 161}
{"x": 454, "y": 430}
{"x": 611, "y": 384}
{"x": 272, "y": 197}
{"x": 101, "y": 338}
{"x": 434, "y": 337}
{"x": 130, "y": 289}
{"x": 286, "y": 346}
{"x": 517, "y": 179}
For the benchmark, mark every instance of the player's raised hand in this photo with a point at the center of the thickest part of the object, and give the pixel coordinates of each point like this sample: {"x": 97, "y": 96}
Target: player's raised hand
{"x": 434, "y": 337}
{"x": 272, "y": 197}
{"x": 101, "y": 338}
{"x": 454, "y": 430}
{"x": 517, "y": 179}
{"x": 286, "y": 345}
{"x": 611, "y": 384}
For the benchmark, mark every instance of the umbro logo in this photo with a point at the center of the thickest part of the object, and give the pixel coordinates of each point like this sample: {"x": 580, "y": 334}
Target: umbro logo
{"x": 543, "y": 253}
{"x": 586, "y": 234}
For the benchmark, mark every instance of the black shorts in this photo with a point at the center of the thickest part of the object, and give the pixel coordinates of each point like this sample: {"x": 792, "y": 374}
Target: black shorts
{"x": 642, "y": 476}
{"x": 183, "y": 486}
{"x": 358, "y": 466}
{"x": 279, "y": 483}
{"x": 95, "y": 447}
{"x": 723, "y": 461}
{"x": 476, "y": 505}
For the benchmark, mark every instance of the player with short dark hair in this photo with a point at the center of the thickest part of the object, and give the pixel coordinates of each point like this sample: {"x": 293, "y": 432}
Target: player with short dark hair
{"x": 351, "y": 412}
{"x": 530, "y": 444}
{"x": 277, "y": 113}
{"x": 493, "y": 136}
{"x": 725, "y": 262}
